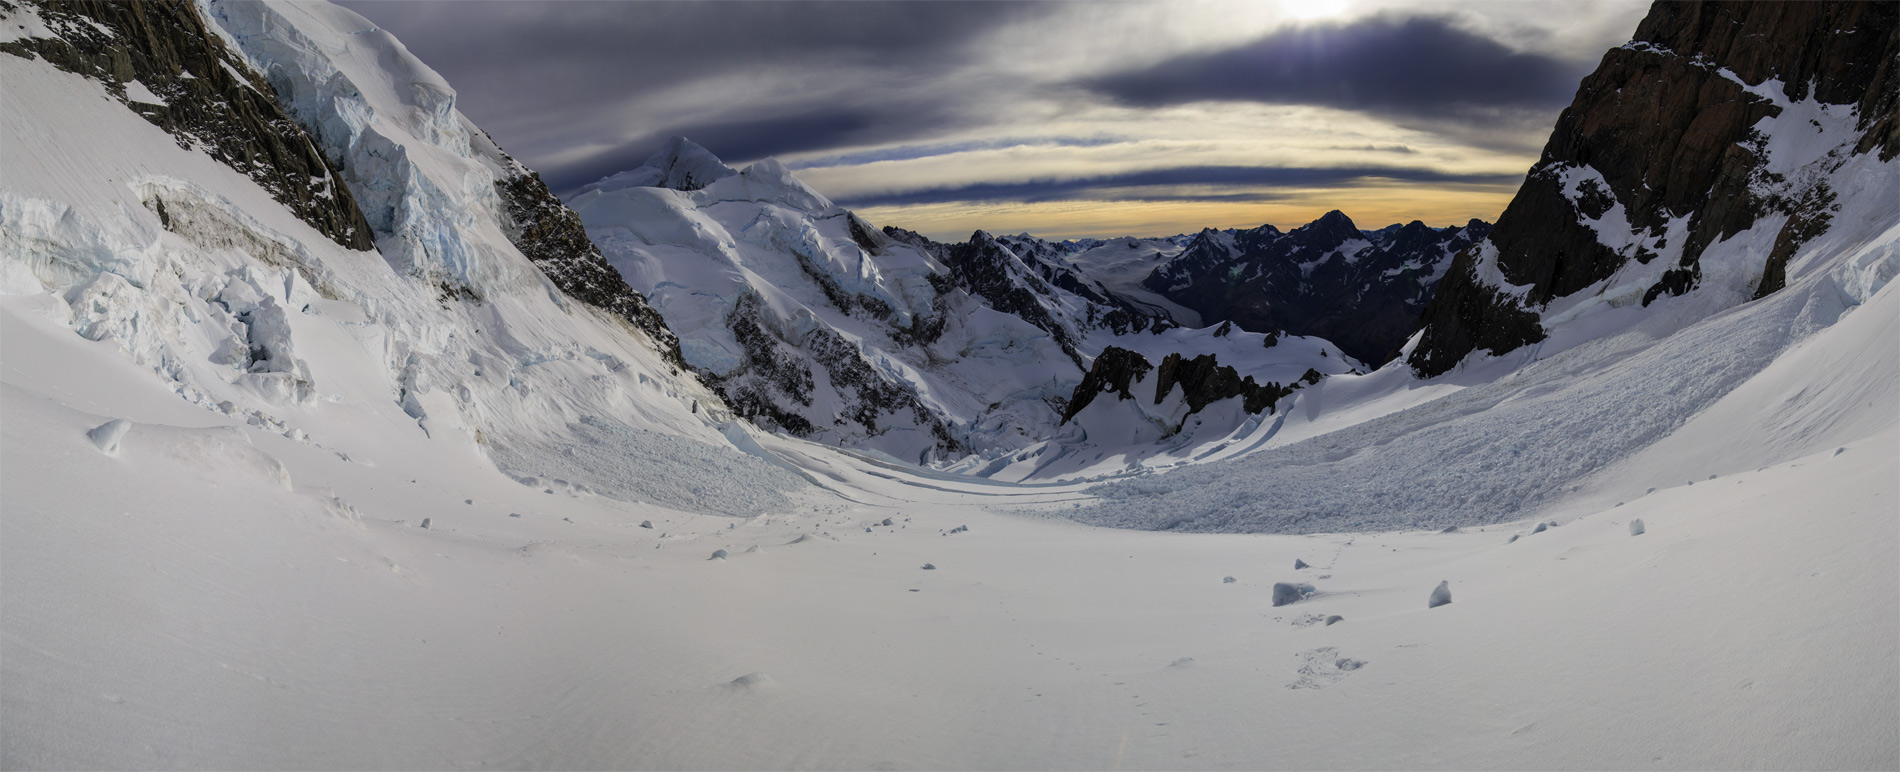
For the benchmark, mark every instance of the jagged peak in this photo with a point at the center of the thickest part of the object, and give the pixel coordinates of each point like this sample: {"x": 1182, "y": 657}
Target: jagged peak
{"x": 684, "y": 165}
{"x": 1334, "y": 220}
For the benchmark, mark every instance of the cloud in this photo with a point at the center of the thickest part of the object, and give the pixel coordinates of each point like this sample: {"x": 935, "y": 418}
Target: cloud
{"x": 745, "y": 79}
{"x": 1378, "y": 148}
{"x": 1185, "y": 183}
{"x": 914, "y": 152}
{"x": 544, "y": 63}
{"x": 961, "y": 102}
{"x": 1416, "y": 66}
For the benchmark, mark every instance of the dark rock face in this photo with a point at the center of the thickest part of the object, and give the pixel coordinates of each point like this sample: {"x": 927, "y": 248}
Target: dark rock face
{"x": 992, "y": 272}
{"x": 551, "y": 235}
{"x": 1115, "y": 370}
{"x": 1671, "y": 137}
{"x": 1203, "y": 381}
{"x": 1361, "y": 290}
{"x": 777, "y": 377}
{"x": 1466, "y": 315}
{"x": 214, "y": 100}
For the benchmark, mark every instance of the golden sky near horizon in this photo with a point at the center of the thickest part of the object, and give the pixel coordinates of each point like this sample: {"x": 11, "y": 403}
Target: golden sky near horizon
{"x": 1369, "y": 208}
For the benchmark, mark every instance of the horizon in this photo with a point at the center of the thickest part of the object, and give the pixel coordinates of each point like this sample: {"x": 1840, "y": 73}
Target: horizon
{"x": 1084, "y": 120}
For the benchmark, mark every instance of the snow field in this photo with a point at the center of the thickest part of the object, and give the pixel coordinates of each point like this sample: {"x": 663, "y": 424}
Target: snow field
{"x": 239, "y": 603}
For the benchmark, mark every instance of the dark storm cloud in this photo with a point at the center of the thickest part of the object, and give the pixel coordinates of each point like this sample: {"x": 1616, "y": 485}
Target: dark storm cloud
{"x": 1418, "y": 66}
{"x": 913, "y": 152}
{"x": 544, "y": 77}
{"x": 1168, "y": 184}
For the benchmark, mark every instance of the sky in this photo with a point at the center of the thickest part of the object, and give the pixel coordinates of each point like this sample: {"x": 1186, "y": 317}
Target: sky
{"x": 1060, "y": 119}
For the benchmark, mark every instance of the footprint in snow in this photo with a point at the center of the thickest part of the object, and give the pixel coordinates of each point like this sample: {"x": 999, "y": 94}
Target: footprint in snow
{"x": 1323, "y": 667}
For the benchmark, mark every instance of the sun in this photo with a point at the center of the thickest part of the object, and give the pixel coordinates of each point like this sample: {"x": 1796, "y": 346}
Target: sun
{"x": 1313, "y": 10}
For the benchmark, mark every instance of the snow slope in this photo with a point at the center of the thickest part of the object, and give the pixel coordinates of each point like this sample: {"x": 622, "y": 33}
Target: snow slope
{"x": 212, "y": 609}
{"x": 449, "y": 335}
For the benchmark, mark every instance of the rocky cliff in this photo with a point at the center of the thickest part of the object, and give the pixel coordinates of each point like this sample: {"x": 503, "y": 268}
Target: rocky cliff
{"x": 161, "y": 61}
{"x": 1663, "y": 154}
{"x": 552, "y": 236}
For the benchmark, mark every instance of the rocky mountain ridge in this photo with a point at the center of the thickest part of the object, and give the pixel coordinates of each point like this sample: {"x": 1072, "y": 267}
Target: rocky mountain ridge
{"x": 814, "y": 322}
{"x": 1674, "y": 144}
{"x": 1360, "y": 289}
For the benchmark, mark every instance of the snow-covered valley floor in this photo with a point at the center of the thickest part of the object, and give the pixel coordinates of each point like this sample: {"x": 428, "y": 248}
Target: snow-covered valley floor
{"x": 201, "y": 599}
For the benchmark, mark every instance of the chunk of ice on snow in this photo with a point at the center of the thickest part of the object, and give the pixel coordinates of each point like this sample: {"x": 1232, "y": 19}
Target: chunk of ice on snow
{"x": 1636, "y": 527}
{"x": 106, "y": 436}
{"x": 1441, "y": 595}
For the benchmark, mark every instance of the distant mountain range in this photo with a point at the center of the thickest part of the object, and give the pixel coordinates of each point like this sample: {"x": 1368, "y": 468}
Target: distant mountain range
{"x": 759, "y": 295}
{"x": 811, "y": 321}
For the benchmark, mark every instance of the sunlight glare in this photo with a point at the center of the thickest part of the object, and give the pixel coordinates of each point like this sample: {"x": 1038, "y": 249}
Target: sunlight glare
{"x": 1313, "y": 10}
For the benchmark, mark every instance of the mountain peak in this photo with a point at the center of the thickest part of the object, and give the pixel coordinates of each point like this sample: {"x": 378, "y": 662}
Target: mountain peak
{"x": 680, "y": 164}
{"x": 1334, "y": 219}
{"x": 1332, "y": 228}
{"x": 684, "y": 165}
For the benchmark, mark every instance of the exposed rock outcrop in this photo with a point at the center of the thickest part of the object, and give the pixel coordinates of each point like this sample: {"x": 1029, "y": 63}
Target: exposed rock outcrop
{"x": 206, "y": 95}
{"x": 1115, "y": 370}
{"x": 1203, "y": 380}
{"x": 1663, "y": 131}
{"x": 552, "y": 236}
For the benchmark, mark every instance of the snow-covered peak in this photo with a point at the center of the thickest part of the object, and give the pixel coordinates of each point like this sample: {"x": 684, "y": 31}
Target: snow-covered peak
{"x": 768, "y": 181}
{"x": 686, "y": 167}
{"x": 679, "y": 165}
